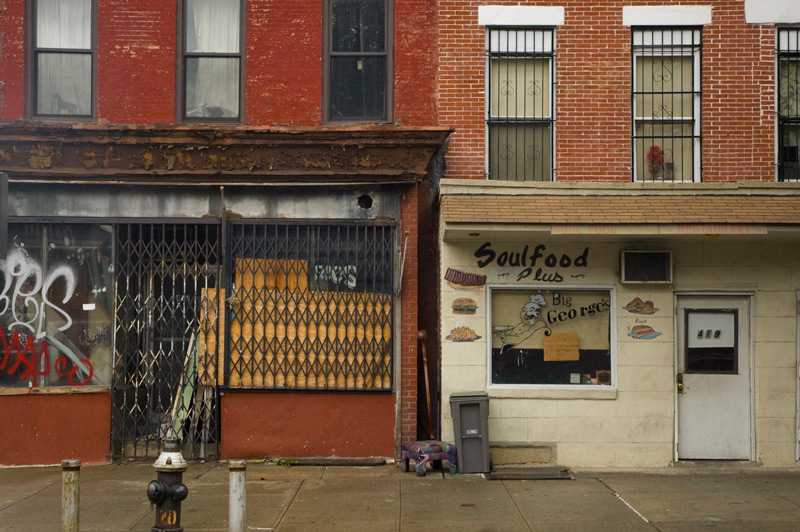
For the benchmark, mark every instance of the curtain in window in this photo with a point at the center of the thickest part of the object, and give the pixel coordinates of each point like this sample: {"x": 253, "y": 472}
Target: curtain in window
{"x": 212, "y": 83}
{"x": 63, "y": 79}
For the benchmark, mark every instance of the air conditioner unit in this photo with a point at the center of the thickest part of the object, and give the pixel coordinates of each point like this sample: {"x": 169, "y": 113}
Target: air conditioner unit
{"x": 639, "y": 267}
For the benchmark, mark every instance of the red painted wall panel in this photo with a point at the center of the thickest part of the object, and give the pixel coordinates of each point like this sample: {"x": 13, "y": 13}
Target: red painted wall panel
{"x": 284, "y": 62}
{"x": 136, "y": 61}
{"x": 45, "y": 429}
{"x": 297, "y": 424}
{"x": 12, "y": 59}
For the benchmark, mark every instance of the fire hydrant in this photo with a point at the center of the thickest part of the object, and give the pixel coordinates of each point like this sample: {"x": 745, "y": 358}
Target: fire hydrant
{"x": 168, "y": 491}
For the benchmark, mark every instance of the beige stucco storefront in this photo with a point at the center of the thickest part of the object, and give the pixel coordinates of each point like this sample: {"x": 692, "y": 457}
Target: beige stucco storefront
{"x": 581, "y": 367}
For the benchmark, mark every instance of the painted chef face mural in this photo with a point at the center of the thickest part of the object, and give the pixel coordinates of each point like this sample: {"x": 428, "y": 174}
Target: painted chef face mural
{"x": 531, "y": 311}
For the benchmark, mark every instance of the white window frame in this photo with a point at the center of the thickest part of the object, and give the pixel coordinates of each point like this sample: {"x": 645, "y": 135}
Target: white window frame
{"x": 543, "y": 40}
{"x": 612, "y": 341}
{"x": 642, "y": 48}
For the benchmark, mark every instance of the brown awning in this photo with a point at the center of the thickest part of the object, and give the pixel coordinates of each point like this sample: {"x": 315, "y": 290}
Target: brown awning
{"x": 618, "y": 209}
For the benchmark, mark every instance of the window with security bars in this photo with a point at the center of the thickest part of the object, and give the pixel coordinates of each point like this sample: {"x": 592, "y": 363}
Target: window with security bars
{"x": 310, "y": 307}
{"x": 666, "y": 104}
{"x": 520, "y": 104}
{"x": 788, "y": 104}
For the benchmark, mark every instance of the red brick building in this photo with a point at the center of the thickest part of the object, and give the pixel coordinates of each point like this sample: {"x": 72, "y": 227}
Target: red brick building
{"x": 211, "y": 225}
{"x": 621, "y": 208}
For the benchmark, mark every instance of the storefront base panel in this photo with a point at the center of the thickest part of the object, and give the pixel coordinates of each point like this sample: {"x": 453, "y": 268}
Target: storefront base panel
{"x": 307, "y": 425}
{"x": 46, "y": 429}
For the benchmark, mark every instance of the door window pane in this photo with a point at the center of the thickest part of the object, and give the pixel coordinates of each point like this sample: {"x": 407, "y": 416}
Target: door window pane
{"x": 711, "y": 341}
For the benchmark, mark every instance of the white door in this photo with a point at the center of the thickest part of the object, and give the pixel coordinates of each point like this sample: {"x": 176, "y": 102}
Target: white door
{"x": 713, "y": 378}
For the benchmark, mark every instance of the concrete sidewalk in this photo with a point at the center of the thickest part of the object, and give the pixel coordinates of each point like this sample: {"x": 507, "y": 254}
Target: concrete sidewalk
{"x": 383, "y": 498}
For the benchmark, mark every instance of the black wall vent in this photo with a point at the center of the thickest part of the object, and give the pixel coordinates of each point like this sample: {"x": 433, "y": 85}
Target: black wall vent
{"x": 646, "y": 267}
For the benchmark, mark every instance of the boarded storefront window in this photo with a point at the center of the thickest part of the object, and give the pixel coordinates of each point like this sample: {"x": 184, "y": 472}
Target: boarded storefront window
{"x": 310, "y": 307}
{"x": 56, "y": 316}
{"x": 551, "y": 337}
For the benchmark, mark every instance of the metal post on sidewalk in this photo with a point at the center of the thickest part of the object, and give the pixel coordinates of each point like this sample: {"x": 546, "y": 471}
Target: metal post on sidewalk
{"x": 70, "y": 495}
{"x": 237, "y": 508}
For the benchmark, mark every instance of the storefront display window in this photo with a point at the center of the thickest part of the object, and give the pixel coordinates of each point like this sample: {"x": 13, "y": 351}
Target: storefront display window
{"x": 56, "y": 285}
{"x": 551, "y": 337}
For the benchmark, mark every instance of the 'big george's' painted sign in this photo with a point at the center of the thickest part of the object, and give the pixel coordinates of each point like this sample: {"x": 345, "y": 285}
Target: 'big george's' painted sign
{"x": 531, "y": 262}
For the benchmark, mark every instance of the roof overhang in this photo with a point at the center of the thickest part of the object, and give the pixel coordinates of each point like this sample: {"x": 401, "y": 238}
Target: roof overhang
{"x": 612, "y": 211}
{"x": 217, "y": 155}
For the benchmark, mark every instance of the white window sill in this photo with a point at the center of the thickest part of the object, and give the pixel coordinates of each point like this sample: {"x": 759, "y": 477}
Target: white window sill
{"x": 605, "y": 393}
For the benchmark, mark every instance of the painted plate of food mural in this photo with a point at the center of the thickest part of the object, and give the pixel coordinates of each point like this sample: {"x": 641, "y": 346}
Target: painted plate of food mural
{"x": 643, "y": 332}
{"x": 637, "y": 306}
{"x": 462, "y": 334}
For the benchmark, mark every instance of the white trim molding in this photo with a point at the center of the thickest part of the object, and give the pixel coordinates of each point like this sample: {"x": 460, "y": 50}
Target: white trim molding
{"x": 520, "y": 15}
{"x": 771, "y": 11}
{"x": 666, "y": 15}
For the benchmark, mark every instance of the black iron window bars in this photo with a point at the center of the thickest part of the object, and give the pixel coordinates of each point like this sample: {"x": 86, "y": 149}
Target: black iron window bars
{"x": 520, "y": 104}
{"x": 788, "y": 104}
{"x": 666, "y": 104}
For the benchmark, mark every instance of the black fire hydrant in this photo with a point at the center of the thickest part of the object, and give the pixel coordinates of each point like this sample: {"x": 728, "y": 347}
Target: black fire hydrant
{"x": 168, "y": 491}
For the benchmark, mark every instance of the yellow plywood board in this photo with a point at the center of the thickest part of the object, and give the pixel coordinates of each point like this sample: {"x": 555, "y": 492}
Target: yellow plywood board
{"x": 561, "y": 347}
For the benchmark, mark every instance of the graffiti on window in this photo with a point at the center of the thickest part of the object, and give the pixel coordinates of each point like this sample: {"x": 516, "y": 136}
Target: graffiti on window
{"x": 54, "y": 326}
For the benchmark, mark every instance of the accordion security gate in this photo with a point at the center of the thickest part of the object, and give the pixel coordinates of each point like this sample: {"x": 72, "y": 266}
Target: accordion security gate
{"x": 164, "y": 275}
{"x": 297, "y": 306}
{"x": 310, "y": 307}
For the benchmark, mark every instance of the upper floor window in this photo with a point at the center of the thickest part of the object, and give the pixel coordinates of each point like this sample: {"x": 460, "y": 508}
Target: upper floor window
{"x": 788, "y": 104}
{"x": 666, "y": 104}
{"x": 358, "y": 65}
{"x": 520, "y": 104}
{"x": 63, "y": 58}
{"x": 212, "y": 60}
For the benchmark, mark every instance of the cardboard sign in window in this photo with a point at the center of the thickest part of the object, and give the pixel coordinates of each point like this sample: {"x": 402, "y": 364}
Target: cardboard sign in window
{"x": 561, "y": 347}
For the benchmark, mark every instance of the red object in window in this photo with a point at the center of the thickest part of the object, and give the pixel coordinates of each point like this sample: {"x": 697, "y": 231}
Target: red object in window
{"x": 655, "y": 158}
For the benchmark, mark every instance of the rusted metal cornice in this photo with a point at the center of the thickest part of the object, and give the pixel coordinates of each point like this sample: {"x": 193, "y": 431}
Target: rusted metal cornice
{"x": 206, "y": 155}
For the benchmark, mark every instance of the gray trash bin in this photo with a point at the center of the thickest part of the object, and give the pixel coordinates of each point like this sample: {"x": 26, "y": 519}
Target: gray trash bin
{"x": 471, "y": 425}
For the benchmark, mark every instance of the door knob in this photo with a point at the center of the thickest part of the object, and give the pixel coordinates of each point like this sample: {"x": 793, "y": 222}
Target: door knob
{"x": 679, "y": 381}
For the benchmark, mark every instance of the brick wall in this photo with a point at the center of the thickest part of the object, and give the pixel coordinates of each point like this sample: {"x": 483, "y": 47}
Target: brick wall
{"x": 593, "y": 98}
{"x": 12, "y": 59}
{"x": 409, "y": 312}
{"x": 136, "y": 61}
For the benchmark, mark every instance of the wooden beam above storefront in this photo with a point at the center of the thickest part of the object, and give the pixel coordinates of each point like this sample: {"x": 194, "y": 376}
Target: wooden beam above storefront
{"x": 204, "y": 155}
